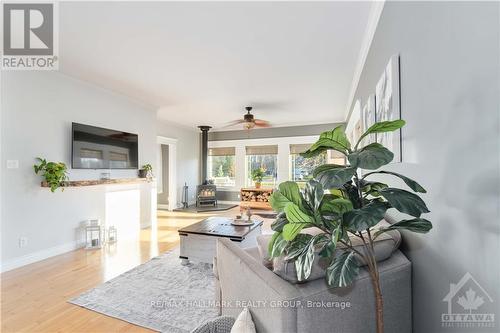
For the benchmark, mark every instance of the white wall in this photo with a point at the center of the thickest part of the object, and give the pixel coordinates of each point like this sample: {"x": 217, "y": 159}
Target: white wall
{"x": 37, "y": 111}
{"x": 450, "y": 88}
{"x": 188, "y": 156}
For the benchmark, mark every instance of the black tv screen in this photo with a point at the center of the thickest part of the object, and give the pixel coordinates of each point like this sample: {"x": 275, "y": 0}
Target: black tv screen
{"x": 102, "y": 148}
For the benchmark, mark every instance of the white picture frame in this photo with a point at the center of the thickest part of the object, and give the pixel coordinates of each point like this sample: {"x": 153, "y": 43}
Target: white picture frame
{"x": 387, "y": 106}
{"x": 354, "y": 128}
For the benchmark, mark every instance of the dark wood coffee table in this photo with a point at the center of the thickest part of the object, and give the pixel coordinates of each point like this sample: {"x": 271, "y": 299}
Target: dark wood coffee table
{"x": 198, "y": 241}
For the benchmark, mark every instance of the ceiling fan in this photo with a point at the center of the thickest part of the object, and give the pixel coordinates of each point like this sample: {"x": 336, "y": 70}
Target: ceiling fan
{"x": 249, "y": 121}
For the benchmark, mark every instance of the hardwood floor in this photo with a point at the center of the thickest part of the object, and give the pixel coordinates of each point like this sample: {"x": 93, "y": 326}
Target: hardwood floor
{"x": 34, "y": 297}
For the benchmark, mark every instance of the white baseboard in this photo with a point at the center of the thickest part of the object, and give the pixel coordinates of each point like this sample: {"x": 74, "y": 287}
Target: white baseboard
{"x": 164, "y": 206}
{"x": 37, "y": 256}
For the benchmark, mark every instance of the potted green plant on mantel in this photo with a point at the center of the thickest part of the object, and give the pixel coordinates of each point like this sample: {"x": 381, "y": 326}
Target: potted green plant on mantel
{"x": 55, "y": 173}
{"x": 146, "y": 171}
{"x": 257, "y": 176}
{"x": 343, "y": 203}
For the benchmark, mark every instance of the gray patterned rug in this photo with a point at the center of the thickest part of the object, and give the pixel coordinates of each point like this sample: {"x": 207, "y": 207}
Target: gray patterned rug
{"x": 160, "y": 294}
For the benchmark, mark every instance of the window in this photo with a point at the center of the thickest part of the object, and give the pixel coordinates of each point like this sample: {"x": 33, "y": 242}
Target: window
{"x": 265, "y": 157}
{"x": 301, "y": 169}
{"x": 221, "y": 166}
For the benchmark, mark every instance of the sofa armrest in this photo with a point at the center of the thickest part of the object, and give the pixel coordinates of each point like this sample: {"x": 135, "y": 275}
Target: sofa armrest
{"x": 246, "y": 282}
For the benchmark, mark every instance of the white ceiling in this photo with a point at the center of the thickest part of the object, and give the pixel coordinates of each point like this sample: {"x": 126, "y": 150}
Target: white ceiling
{"x": 200, "y": 63}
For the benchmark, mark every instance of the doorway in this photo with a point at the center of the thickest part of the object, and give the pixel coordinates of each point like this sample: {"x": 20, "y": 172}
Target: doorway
{"x": 163, "y": 177}
{"x": 166, "y": 174}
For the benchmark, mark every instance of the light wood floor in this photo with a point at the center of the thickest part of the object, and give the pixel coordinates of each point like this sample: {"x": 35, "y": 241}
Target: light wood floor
{"x": 34, "y": 297}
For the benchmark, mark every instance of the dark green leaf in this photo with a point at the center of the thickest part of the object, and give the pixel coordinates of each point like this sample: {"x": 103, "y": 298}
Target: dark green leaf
{"x": 337, "y": 206}
{"x": 277, "y": 245}
{"x": 373, "y": 188}
{"x": 381, "y": 127}
{"x": 329, "y": 249}
{"x": 365, "y": 217}
{"x": 343, "y": 270}
{"x": 279, "y": 223}
{"x": 335, "y": 178}
{"x": 325, "y": 167}
{"x": 351, "y": 192}
{"x": 404, "y": 201}
{"x": 341, "y": 205}
{"x": 304, "y": 261}
{"x": 334, "y": 139}
{"x": 419, "y": 225}
{"x": 313, "y": 194}
{"x": 371, "y": 157}
{"x": 297, "y": 246}
{"x": 338, "y": 135}
{"x": 305, "y": 258}
{"x": 410, "y": 182}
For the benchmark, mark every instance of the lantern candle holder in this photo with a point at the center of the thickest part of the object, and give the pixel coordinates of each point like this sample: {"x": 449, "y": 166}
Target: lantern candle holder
{"x": 94, "y": 235}
{"x": 112, "y": 235}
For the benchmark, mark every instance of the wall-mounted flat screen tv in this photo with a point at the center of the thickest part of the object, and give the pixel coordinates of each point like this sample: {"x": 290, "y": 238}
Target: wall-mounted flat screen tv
{"x": 102, "y": 148}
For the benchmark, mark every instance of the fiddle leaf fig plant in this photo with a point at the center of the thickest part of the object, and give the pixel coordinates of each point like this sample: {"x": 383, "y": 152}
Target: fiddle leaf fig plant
{"x": 344, "y": 204}
{"x": 55, "y": 173}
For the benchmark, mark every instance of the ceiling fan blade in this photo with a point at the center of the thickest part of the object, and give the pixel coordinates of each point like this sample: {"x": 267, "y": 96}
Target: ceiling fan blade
{"x": 232, "y": 123}
{"x": 262, "y": 123}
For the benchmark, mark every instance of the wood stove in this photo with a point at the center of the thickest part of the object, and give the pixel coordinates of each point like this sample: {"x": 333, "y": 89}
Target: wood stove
{"x": 206, "y": 195}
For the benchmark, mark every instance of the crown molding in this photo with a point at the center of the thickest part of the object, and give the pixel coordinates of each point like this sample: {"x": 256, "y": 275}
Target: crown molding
{"x": 371, "y": 27}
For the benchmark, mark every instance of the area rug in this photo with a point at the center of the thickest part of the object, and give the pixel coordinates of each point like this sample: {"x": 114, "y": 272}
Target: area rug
{"x": 160, "y": 294}
{"x": 201, "y": 209}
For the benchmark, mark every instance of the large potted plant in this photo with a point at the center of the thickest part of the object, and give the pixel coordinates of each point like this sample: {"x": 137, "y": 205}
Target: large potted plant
{"x": 55, "y": 173}
{"x": 257, "y": 176}
{"x": 344, "y": 202}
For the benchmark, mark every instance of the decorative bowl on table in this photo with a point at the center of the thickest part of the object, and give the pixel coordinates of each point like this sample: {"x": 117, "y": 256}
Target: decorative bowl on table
{"x": 241, "y": 222}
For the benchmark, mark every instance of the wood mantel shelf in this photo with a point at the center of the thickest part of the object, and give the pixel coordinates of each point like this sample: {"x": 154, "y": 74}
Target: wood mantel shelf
{"x": 95, "y": 182}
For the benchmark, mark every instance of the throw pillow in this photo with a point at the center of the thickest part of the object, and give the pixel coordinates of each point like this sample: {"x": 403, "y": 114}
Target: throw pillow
{"x": 244, "y": 323}
{"x": 262, "y": 246}
{"x": 384, "y": 246}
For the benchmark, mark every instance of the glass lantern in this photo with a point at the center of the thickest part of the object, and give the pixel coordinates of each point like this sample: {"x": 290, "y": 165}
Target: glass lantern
{"x": 94, "y": 235}
{"x": 112, "y": 234}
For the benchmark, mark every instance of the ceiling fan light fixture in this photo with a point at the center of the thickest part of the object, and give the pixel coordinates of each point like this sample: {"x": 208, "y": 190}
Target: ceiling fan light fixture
{"x": 248, "y": 125}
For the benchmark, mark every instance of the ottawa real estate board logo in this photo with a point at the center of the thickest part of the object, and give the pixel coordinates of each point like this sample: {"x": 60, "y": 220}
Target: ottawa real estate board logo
{"x": 469, "y": 305}
{"x": 30, "y": 32}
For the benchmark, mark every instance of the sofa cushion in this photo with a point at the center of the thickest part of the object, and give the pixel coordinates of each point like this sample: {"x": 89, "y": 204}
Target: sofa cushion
{"x": 384, "y": 246}
{"x": 262, "y": 246}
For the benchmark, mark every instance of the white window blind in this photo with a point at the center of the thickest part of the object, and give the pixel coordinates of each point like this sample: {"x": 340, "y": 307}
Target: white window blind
{"x": 262, "y": 150}
{"x": 223, "y": 151}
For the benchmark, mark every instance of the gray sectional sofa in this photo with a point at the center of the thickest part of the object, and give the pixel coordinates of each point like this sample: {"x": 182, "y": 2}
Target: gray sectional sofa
{"x": 278, "y": 305}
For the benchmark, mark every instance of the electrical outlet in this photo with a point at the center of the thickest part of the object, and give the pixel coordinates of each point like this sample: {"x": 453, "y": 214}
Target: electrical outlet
{"x": 23, "y": 241}
{"x": 12, "y": 164}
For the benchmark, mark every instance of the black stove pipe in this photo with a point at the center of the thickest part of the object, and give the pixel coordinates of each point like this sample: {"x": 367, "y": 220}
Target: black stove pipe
{"x": 204, "y": 152}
